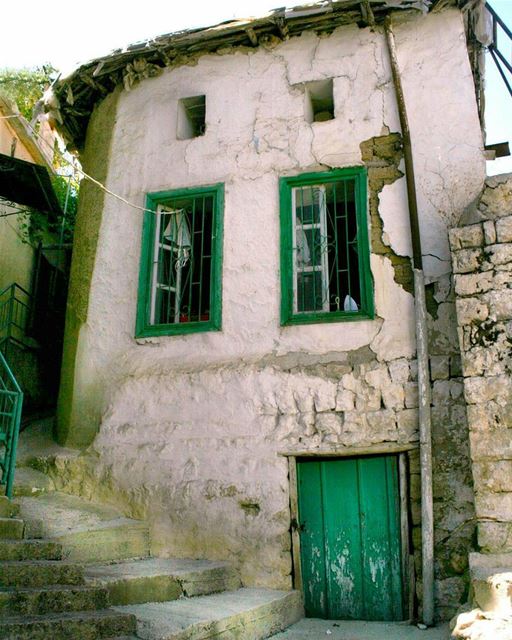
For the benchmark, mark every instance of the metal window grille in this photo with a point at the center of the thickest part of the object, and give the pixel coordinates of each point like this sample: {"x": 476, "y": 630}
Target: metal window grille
{"x": 182, "y": 261}
{"x": 325, "y": 248}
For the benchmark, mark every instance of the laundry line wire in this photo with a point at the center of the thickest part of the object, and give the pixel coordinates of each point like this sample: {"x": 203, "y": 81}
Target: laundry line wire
{"x": 76, "y": 168}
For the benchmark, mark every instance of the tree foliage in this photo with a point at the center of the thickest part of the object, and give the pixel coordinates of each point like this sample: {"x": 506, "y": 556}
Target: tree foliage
{"x": 26, "y": 86}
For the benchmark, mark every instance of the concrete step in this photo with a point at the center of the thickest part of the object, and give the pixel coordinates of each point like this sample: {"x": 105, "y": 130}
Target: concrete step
{"x": 314, "y": 629}
{"x": 29, "y": 482}
{"x": 39, "y": 573}
{"x": 8, "y": 509}
{"x": 251, "y": 614}
{"x": 51, "y": 599}
{"x": 11, "y": 528}
{"x": 30, "y": 550}
{"x": 88, "y": 532}
{"x": 84, "y": 625}
{"x": 161, "y": 579}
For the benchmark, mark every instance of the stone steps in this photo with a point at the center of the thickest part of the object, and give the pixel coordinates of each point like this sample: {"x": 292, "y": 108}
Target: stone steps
{"x": 8, "y": 509}
{"x": 11, "y": 528}
{"x": 51, "y": 599}
{"x": 39, "y": 573}
{"x": 88, "y": 532}
{"x": 251, "y": 614}
{"x": 159, "y": 579}
{"x": 30, "y": 550}
{"x": 84, "y": 625}
{"x": 30, "y": 482}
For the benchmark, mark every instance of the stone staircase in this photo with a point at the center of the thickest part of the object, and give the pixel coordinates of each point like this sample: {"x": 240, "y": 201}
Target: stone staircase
{"x": 70, "y": 568}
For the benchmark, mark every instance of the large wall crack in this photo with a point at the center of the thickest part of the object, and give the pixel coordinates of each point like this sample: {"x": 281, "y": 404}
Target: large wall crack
{"x": 382, "y": 156}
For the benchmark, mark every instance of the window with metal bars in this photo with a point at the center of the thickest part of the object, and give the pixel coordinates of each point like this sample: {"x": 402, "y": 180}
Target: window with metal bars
{"x": 325, "y": 258}
{"x": 180, "y": 278}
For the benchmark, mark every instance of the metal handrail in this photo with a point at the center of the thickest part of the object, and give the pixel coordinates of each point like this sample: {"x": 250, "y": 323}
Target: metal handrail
{"x": 502, "y": 64}
{"x": 11, "y": 402}
{"x": 15, "y": 310}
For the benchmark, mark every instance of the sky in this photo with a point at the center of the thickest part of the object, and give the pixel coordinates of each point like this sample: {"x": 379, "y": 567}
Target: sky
{"x": 67, "y": 33}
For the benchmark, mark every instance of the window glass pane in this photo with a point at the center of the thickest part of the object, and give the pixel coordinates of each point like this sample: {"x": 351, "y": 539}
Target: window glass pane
{"x": 326, "y": 258}
{"x": 309, "y": 291}
{"x": 183, "y": 255}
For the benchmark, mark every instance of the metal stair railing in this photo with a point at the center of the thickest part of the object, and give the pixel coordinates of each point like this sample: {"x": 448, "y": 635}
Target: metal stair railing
{"x": 11, "y": 402}
{"x": 15, "y": 310}
{"x": 504, "y": 66}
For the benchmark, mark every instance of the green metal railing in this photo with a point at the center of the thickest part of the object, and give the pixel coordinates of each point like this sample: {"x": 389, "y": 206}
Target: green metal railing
{"x": 15, "y": 309}
{"x": 11, "y": 402}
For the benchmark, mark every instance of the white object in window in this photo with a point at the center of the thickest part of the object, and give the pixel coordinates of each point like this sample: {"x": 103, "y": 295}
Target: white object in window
{"x": 311, "y": 261}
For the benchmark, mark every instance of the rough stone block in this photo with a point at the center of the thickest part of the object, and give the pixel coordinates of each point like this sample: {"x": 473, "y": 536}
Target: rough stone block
{"x": 470, "y": 310}
{"x": 378, "y": 378}
{"x": 411, "y": 395}
{"x": 439, "y": 367}
{"x": 449, "y": 594}
{"x": 479, "y": 361}
{"x": 500, "y": 304}
{"x": 479, "y": 389}
{"x": 504, "y": 229}
{"x": 345, "y": 400}
{"x": 490, "y": 445}
{"x": 495, "y": 506}
{"x": 497, "y": 198}
{"x": 382, "y": 421}
{"x": 472, "y": 283}
{"x": 496, "y": 254}
{"x": 493, "y": 475}
{"x": 469, "y": 260}
{"x": 368, "y": 400}
{"x": 495, "y": 537}
{"x": 393, "y": 396}
{"x": 328, "y": 422}
{"x": 466, "y": 237}
{"x": 488, "y": 417}
{"x": 399, "y": 370}
{"x": 489, "y": 232}
{"x": 407, "y": 421}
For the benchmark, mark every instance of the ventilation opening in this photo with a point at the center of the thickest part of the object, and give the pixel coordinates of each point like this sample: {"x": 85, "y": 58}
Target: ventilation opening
{"x": 319, "y": 101}
{"x": 191, "y": 117}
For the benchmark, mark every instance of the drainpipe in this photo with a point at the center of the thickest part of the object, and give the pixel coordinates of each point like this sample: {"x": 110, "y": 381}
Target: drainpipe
{"x": 427, "y": 516}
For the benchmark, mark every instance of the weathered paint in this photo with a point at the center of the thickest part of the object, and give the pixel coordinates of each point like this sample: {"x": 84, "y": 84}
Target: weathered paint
{"x": 349, "y": 519}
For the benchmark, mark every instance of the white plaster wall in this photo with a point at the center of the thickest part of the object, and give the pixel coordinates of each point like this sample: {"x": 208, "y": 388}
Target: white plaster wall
{"x": 178, "y": 430}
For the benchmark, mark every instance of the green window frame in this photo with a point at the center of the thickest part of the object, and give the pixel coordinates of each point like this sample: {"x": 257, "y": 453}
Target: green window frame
{"x": 180, "y": 281}
{"x": 325, "y": 251}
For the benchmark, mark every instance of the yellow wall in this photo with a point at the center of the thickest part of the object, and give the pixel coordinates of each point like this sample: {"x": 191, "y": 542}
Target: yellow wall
{"x": 16, "y": 257}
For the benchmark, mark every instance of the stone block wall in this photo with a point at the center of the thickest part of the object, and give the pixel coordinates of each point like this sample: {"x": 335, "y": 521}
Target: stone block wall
{"x": 482, "y": 263}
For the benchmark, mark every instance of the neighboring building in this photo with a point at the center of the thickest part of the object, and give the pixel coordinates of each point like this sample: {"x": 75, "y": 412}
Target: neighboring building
{"x": 32, "y": 271}
{"x": 245, "y": 349}
{"x": 19, "y": 143}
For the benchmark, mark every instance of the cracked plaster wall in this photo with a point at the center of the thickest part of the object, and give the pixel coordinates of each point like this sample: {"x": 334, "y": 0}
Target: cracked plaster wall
{"x": 191, "y": 425}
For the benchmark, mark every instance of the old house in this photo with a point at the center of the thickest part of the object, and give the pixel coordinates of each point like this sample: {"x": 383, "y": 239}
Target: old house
{"x": 241, "y": 350}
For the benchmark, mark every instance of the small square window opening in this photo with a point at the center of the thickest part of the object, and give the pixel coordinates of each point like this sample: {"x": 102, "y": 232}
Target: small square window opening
{"x": 191, "y": 117}
{"x": 319, "y": 101}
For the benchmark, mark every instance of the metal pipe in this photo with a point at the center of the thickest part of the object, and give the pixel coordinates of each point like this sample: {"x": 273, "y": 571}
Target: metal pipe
{"x": 427, "y": 510}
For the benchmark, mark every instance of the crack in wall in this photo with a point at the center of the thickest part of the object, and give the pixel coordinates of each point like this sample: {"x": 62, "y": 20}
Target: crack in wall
{"x": 382, "y": 156}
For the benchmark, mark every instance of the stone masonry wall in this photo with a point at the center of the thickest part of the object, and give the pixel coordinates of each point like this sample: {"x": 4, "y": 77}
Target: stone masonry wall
{"x": 482, "y": 262}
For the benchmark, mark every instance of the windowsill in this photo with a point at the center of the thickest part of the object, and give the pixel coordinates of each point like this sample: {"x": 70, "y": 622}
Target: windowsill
{"x": 320, "y": 318}
{"x": 181, "y": 329}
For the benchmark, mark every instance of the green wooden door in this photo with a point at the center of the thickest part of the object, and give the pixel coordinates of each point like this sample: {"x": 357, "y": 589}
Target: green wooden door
{"x": 349, "y": 518}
